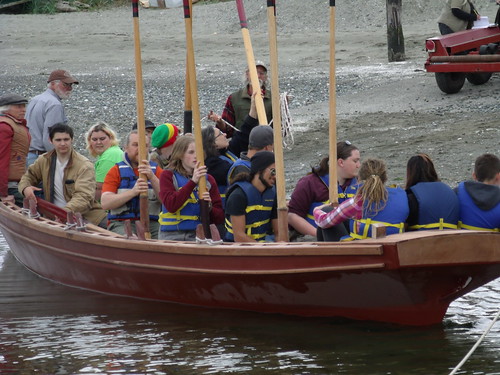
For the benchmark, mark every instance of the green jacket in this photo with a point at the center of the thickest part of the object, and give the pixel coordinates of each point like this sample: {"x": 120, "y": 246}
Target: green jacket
{"x": 241, "y": 102}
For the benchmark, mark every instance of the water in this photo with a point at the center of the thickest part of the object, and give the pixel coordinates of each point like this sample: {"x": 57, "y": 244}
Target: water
{"x": 48, "y": 328}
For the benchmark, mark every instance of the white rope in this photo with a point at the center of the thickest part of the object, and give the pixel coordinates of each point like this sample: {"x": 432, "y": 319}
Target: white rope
{"x": 286, "y": 121}
{"x": 454, "y": 371}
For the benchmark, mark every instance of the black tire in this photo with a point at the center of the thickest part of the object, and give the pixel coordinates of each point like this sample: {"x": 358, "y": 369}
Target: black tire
{"x": 450, "y": 83}
{"x": 478, "y": 78}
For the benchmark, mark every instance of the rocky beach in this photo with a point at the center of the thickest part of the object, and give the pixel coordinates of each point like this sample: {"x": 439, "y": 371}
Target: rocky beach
{"x": 389, "y": 110}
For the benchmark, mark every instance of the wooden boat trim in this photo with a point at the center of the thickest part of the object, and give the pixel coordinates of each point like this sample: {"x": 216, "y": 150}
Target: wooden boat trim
{"x": 211, "y": 270}
{"x": 450, "y": 247}
{"x": 233, "y": 249}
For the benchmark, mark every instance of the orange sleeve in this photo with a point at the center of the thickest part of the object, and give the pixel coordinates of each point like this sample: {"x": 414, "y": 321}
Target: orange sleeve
{"x": 158, "y": 171}
{"x": 112, "y": 180}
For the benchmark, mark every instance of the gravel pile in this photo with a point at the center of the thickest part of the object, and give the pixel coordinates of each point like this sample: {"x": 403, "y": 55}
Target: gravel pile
{"x": 400, "y": 102}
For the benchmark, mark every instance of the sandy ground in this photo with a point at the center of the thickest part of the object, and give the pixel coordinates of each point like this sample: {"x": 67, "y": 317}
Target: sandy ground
{"x": 389, "y": 110}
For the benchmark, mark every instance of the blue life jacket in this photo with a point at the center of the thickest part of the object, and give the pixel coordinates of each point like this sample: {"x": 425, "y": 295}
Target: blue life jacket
{"x": 438, "y": 206}
{"x": 258, "y": 211}
{"x": 131, "y": 209}
{"x": 474, "y": 218}
{"x": 237, "y": 163}
{"x": 393, "y": 216}
{"x": 188, "y": 216}
{"x": 230, "y": 158}
{"x": 343, "y": 195}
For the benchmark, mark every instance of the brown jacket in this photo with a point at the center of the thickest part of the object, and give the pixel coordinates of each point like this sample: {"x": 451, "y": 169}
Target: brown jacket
{"x": 79, "y": 187}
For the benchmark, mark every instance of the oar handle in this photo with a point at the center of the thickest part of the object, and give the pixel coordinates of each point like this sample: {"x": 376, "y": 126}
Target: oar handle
{"x": 282, "y": 234}
{"x": 143, "y": 198}
{"x": 193, "y": 87}
{"x": 333, "y": 190}
{"x": 252, "y": 69}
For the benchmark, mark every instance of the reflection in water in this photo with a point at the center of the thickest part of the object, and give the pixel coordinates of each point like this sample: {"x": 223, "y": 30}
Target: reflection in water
{"x": 52, "y": 329}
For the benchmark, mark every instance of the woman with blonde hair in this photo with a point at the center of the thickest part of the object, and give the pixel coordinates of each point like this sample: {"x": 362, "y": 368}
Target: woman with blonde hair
{"x": 180, "y": 214}
{"x": 373, "y": 203}
{"x": 102, "y": 144}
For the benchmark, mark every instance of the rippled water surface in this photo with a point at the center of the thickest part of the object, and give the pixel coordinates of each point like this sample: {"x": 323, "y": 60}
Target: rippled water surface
{"x": 48, "y": 328}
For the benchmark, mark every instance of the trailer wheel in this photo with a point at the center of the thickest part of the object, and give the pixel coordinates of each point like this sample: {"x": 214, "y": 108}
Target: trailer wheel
{"x": 450, "y": 83}
{"x": 478, "y": 78}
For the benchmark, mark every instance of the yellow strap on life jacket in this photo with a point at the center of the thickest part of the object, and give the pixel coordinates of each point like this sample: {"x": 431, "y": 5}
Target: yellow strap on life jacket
{"x": 177, "y": 214}
{"x": 258, "y": 207}
{"x": 470, "y": 227}
{"x": 248, "y": 229}
{"x": 368, "y": 223}
{"x": 441, "y": 225}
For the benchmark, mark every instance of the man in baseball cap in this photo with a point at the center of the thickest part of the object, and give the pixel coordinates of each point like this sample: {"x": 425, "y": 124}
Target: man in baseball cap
{"x": 261, "y": 139}
{"x": 61, "y": 75}
{"x": 46, "y": 110}
{"x": 150, "y": 127}
{"x": 14, "y": 144}
{"x": 238, "y": 103}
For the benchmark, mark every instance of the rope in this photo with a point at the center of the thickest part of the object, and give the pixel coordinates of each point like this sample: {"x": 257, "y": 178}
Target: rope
{"x": 454, "y": 371}
{"x": 286, "y": 121}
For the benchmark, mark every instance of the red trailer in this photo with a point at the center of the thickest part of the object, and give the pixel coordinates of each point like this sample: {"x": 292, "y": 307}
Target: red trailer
{"x": 471, "y": 54}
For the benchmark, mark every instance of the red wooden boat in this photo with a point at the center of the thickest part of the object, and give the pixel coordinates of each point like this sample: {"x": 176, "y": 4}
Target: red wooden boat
{"x": 407, "y": 279}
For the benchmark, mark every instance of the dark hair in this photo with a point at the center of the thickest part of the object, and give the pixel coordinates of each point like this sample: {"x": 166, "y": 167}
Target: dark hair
{"x": 344, "y": 151}
{"x": 208, "y": 137}
{"x": 420, "y": 168}
{"x": 60, "y": 128}
{"x": 486, "y": 167}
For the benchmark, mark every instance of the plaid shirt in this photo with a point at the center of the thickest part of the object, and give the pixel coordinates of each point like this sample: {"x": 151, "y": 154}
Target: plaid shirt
{"x": 349, "y": 209}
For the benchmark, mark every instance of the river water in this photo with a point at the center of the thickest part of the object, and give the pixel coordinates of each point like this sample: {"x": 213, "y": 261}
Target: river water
{"x": 48, "y": 328}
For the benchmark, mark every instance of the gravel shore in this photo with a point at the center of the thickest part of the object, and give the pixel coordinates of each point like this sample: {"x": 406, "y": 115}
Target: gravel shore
{"x": 389, "y": 110}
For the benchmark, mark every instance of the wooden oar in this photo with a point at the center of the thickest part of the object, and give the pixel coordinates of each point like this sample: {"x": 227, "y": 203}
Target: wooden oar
{"x": 193, "y": 85}
{"x": 141, "y": 126}
{"x": 278, "y": 142}
{"x": 333, "y": 191}
{"x": 252, "y": 69}
{"x": 188, "y": 113}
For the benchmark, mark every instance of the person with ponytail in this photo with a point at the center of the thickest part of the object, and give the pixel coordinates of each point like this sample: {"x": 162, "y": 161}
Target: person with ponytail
{"x": 373, "y": 203}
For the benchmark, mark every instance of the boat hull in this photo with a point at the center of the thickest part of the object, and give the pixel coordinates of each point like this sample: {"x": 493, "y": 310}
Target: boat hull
{"x": 409, "y": 280}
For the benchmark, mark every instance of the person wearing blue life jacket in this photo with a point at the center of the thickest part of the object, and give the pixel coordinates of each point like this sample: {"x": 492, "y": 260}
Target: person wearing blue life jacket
{"x": 218, "y": 158}
{"x": 122, "y": 187}
{"x": 180, "y": 214}
{"x": 261, "y": 139}
{"x": 251, "y": 209}
{"x": 480, "y": 199}
{"x": 373, "y": 204}
{"x": 433, "y": 204}
{"x": 312, "y": 190}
